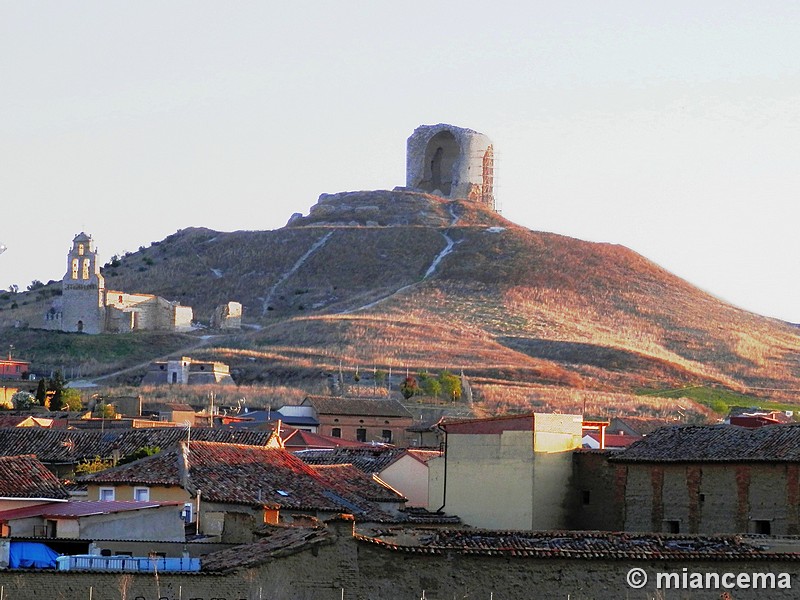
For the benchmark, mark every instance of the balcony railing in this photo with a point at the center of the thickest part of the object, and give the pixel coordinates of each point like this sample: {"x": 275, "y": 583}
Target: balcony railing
{"x": 93, "y": 562}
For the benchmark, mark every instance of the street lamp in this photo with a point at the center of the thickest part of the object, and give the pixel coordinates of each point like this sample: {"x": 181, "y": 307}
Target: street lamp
{"x": 2, "y": 248}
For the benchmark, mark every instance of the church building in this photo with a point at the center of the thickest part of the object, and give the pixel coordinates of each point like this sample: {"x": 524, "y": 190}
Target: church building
{"x": 86, "y": 306}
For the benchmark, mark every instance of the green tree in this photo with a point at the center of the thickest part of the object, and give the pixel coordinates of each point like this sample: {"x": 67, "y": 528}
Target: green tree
{"x": 41, "y": 391}
{"x": 106, "y": 411}
{"x": 71, "y": 399}
{"x": 142, "y": 452}
{"x": 23, "y": 400}
{"x": 409, "y": 387}
{"x": 56, "y": 386}
{"x": 430, "y": 385}
{"x": 451, "y": 386}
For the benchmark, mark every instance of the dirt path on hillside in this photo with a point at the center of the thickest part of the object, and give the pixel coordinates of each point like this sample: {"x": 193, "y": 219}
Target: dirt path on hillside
{"x": 448, "y": 248}
{"x": 300, "y": 262}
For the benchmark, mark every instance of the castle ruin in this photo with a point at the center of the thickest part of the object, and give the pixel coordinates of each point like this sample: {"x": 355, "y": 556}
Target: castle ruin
{"x": 451, "y": 162}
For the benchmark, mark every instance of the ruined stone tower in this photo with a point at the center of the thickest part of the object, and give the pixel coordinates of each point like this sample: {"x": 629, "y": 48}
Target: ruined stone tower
{"x": 83, "y": 289}
{"x": 452, "y": 162}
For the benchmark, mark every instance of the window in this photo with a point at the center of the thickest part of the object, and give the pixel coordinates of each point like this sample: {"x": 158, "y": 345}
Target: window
{"x": 361, "y": 435}
{"x": 386, "y": 434}
{"x": 188, "y": 512}
{"x": 141, "y": 494}
{"x": 336, "y": 432}
{"x": 672, "y": 526}
{"x": 762, "y": 527}
{"x": 106, "y": 494}
{"x": 586, "y": 496}
{"x": 86, "y": 262}
{"x": 80, "y": 249}
{"x": 74, "y": 268}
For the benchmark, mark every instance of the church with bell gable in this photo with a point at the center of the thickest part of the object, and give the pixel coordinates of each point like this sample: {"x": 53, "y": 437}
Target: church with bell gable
{"x": 86, "y": 306}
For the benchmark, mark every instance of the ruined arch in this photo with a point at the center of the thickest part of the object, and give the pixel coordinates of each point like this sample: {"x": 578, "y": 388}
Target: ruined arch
{"x": 441, "y": 162}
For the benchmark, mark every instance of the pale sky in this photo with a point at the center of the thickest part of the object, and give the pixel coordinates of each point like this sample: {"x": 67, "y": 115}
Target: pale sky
{"x": 672, "y": 128}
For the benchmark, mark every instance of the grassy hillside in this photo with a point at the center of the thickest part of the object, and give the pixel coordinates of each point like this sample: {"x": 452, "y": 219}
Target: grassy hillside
{"x": 353, "y": 285}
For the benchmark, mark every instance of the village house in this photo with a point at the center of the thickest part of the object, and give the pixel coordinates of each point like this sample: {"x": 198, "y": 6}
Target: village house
{"x": 405, "y": 469}
{"x": 506, "y": 472}
{"x": 96, "y": 520}
{"x": 62, "y": 451}
{"x": 378, "y": 420}
{"x": 12, "y": 368}
{"x": 696, "y": 480}
{"x": 227, "y": 489}
{"x": 26, "y": 482}
{"x": 187, "y": 371}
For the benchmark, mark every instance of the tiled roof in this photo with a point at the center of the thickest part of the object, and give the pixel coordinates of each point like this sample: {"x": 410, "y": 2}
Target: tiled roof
{"x": 491, "y": 425}
{"x": 256, "y": 476}
{"x": 26, "y": 477}
{"x": 423, "y": 455}
{"x": 282, "y": 541}
{"x": 641, "y": 425}
{"x": 366, "y": 407}
{"x": 236, "y": 474}
{"x": 74, "y": 510}
{"x": 358, "y": 483}
{"x": 71, "y": 446}
{"x": 12, "y": 420}
{"x": 371, "y": 459}
{"x": 716, "y": 443}
{"x": 570, "y": 544}
{"x": 297, "y": 439}
{"x": 159, "y": 469}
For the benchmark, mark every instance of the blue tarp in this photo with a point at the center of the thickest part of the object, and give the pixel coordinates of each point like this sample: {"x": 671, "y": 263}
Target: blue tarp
{"x": 31, "y": 555}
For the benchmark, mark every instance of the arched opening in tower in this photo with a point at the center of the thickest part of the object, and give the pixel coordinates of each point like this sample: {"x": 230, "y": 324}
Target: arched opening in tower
{"x": 442, "y": 156}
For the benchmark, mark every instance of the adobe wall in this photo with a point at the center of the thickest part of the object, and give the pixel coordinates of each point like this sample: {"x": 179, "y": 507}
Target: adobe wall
{"x": 712, "y": 498}
{"x": 366, "y": 572}
{"x": 596, "y": 497}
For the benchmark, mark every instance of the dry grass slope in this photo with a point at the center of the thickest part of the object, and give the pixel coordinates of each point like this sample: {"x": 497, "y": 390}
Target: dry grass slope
{"x": 512, "y": 308}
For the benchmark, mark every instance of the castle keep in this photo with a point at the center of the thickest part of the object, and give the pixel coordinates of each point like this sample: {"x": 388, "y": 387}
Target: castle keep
{"x": 452, "y": 162}
{"x": 87, "y": 306}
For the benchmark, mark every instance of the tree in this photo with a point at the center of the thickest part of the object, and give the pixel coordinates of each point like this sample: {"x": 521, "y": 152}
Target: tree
{"x": 106, "y": 411}
{"x": 142, "y": 452}
{"x": 71, "y": 399}
{"x": 430, "y": 386}
{"x": 56, "y": 386}
{"x": 35, "y": 285}
{"x": 41, "y": 392}
{"x": 23, "y": 400}
{"x": 451, "y": 386}
{"x": 409, "y": 387}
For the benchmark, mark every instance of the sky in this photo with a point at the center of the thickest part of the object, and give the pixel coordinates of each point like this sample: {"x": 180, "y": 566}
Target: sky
{"x": 672, "y": 128}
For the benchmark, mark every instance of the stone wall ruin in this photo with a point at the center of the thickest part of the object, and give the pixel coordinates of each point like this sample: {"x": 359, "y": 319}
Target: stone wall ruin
{"x": 451, "y": 162}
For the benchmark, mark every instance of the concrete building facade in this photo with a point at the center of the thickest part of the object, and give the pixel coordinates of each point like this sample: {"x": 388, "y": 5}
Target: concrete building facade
{"x": 506, "y": 472}
{"x": 86, "y": 306}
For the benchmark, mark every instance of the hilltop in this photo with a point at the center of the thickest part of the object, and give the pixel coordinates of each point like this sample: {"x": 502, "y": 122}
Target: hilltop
{"x": 399, "y": 279}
